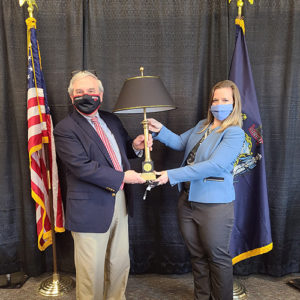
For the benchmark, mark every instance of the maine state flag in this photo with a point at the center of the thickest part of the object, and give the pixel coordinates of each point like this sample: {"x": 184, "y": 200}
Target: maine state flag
{"x": 251, "y": 233}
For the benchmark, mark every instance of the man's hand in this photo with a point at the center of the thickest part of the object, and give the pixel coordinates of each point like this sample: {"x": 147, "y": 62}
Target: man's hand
{"x": 154, "y": 125}
{"x": 139, "y": 142}
{"x": 133, "y": 177}
{"x": 163, "y": 178}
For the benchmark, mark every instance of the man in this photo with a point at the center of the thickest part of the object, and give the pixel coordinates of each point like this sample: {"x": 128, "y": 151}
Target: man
{"x": 95, "y": 147}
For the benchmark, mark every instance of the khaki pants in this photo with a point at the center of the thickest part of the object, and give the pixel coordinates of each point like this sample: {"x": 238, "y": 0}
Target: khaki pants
{"x": 102, "y": 259}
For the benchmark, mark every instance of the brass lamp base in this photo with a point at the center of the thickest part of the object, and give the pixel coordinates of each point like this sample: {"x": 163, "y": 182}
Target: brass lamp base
{"x": 56, "y": 285}
{"x": 148, "y": 168}
{"x": 148, "y": 176}
{"x": 239, "y": 291}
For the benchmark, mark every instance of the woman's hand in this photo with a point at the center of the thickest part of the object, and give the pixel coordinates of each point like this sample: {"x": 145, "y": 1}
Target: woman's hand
{"x": 154, "y": 125}
{"x": 163, "y": 178}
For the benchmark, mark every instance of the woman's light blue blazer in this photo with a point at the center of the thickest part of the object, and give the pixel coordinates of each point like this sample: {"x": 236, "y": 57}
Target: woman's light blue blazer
{"x": 214, "y": 158}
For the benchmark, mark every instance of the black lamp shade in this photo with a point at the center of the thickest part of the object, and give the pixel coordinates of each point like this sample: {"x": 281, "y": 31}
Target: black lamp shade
{"x": 142, "y": 92}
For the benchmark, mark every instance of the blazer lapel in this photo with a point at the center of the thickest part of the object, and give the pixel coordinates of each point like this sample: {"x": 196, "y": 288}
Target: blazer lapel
{"x": 91, "y": 132}
{"x": 193, "y": 140}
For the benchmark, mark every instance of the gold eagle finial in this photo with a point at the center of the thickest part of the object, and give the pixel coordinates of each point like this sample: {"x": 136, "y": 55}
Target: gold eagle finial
{"x": 240, "y": 4}
{"x": 31, "y": 4}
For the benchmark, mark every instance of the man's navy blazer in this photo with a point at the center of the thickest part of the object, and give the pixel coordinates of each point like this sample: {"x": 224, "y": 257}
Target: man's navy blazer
{"x": 92, "y": 181}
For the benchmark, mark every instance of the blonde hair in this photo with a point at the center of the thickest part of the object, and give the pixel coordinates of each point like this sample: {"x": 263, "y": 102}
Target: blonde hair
{"x": 80, "y": 75}
{"x": 235, "y": 117}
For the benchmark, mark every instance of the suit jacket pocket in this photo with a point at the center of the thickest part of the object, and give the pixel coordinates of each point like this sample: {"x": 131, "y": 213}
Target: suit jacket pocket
{"x": 217, "y": 179}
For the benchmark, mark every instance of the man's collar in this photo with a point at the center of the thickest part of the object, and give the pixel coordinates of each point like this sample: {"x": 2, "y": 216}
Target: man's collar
{"x": 89, "y": 117}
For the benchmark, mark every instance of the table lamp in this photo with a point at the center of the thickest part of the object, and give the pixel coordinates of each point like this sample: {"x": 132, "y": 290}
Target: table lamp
{"x": 144, "y": 94}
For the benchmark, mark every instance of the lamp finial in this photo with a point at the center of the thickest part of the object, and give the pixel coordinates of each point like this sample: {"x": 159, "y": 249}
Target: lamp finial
{"x": 142, "y": 71}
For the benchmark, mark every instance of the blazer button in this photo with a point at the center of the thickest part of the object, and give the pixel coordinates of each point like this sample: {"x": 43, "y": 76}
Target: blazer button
{"x": 113, "y": 194}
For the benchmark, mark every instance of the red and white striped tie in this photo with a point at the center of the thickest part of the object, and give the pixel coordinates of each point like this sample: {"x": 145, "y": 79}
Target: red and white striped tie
{"x": 107, "y": 145}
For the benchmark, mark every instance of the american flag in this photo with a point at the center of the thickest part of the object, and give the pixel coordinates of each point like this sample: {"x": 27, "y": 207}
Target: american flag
{"x": 41, "y": 145}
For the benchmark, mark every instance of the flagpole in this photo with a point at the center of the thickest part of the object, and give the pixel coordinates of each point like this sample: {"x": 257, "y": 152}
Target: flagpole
{"x": 239, "y": 290}
{"x": 56, "y": 284}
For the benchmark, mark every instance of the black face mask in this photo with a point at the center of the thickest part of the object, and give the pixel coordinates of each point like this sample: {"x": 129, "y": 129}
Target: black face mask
{"x": 87, "y": 104}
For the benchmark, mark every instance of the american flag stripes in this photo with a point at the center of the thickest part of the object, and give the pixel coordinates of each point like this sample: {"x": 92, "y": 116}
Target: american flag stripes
{"x": 41, "y": 145}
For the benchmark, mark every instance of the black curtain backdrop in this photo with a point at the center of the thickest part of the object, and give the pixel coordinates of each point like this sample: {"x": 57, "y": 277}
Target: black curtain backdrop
{"x": 189, "y": 44}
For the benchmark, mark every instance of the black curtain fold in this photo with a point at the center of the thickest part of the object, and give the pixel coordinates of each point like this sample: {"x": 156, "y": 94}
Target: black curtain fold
{"x": 189, "y": 44}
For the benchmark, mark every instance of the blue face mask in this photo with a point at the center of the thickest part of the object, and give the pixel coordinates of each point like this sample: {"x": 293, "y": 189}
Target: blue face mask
{"x": 221, "y": 111}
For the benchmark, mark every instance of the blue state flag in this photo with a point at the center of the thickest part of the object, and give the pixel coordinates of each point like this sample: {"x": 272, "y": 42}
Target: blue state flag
{"x": 251, "y": 233}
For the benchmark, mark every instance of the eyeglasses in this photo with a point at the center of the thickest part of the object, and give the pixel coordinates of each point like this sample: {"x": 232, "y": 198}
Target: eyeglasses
{"x": 73, "y": 73}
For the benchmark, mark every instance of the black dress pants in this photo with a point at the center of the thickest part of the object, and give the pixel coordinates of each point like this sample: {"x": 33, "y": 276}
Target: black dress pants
{"x": 206, "y": 229}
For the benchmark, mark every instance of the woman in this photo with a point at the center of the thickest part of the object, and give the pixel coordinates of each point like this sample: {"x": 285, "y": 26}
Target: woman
{"x": 205, "y": 179}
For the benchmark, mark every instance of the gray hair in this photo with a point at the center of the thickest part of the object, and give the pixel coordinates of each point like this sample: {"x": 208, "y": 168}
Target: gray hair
{"x": 80, "y": 75}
